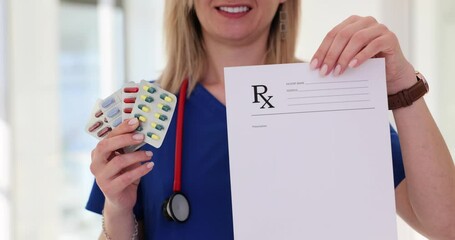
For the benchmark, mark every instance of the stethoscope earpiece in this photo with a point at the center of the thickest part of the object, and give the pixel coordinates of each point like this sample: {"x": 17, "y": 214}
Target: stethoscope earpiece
{"x": 176, "y": 208}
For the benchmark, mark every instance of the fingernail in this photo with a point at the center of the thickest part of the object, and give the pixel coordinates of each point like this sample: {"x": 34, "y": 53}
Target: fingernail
{"x": 323, "y": 70}
{"x": 314, "y": 64}
{"x": 132, "y": 121}
{"x": 337, "y": 70}
{"x": 149, "y": 153}
{"x": 138, "y": 136}
{"x": 353, "y": 63}
{"x": 150, "y": 165}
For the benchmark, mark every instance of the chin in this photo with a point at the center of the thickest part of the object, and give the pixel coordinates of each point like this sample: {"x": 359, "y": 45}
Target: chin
{"x": 236, "y": 35}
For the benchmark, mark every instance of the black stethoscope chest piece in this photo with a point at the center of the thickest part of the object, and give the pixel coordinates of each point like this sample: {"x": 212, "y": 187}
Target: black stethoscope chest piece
{"x": 176, "y": 207}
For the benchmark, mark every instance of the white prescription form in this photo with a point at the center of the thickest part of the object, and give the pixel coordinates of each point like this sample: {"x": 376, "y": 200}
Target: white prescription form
{"x": 310, "y": 156}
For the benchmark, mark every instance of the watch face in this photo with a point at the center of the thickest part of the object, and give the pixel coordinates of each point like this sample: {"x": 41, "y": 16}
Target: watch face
{"x": 420, "y": 77}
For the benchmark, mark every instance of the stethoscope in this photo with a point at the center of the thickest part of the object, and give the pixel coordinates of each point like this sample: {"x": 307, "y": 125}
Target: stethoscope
{"x": 176, "y": 207}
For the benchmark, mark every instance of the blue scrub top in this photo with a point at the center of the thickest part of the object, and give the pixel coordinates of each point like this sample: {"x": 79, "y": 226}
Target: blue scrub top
{"x": 205, "y": 175}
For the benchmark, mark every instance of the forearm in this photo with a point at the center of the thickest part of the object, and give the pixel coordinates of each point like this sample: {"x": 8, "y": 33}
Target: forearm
{"x": 118, "y": 224}
{"x": 430, "y": 172}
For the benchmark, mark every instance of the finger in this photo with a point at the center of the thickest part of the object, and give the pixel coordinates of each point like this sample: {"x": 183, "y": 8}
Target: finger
{"x": 131, "y": 176}
{"x": 316, "y": 61}
{"x": 117, "y": 139}
{"x": 99, "y": 153}
{"x": 381, "y": 45}
{"x": 340, "y": 41}
{"x": 107, "y": 146}
{"x": 126, "y": 126}
{"x": 358, "y": 41}
{"x": 124, "y": 161}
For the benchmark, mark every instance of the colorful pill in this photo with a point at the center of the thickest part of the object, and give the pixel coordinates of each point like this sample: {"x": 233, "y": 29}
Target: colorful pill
{"x": 104, "y": 131}
{"x": 131, "y": 90}
{"x": 143, "y": 108}
{"x": 149, "y": 89}
{"x": 95, "y": 126}
{"x": 139, "y": 128}
{"x": 153, "y": 136}
{"x": 127, "y": 110}
{"x": 99, "y": 114}
{"x": 157, "y": 126}
{"x": 113, "y": 112}
{"x": 140, "y": 117}
{"x": 108, "y": 102}
{"x": 129, "y": 100}
{"x": 166, "y": 97}
{"x": 117, "y": 122}
{"x": 161, "y": 116}
{"x": 163, "y": 107}
{"x": 147, "y": 98}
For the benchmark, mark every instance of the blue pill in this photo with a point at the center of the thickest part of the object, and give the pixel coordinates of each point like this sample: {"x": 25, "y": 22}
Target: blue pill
{"x": 108, "y": 102}
{"x": 113, "y": 112}
{"x": 117, "y": 122}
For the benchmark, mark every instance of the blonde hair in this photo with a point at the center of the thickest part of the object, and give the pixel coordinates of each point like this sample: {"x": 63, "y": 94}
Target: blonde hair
{"x": 186, "y": 57}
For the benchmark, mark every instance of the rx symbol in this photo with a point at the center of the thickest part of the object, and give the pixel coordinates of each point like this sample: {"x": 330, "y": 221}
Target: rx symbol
{"x": 259, "y": 91}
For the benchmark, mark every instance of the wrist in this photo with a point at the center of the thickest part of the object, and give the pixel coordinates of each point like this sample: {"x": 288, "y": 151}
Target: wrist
{"x": 122, "y": 228}
{"x": 115, "y": 210}
{"x": 408, "y": 96}
{"x": 405, "y": 81}
{"x": 119, "y": 222}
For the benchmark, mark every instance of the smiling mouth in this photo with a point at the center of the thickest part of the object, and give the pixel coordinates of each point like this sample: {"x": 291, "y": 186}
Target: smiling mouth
{"x": 236, "y": 9}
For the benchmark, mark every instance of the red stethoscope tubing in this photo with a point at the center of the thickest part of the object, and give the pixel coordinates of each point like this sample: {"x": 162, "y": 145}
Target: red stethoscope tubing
{"x": 178, "y": 137}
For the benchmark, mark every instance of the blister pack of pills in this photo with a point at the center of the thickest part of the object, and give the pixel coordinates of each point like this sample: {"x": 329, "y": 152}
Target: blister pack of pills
{"x": 111, "y": 107}
{"x": 129, "y": 95}
{"x": 151, "y": 105}
{"x": 154, "y": 108}
{"x": 98, "y": 125}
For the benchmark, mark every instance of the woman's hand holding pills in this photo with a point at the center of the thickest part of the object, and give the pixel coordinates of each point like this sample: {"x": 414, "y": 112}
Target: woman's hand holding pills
{"x": 118, "y": 174}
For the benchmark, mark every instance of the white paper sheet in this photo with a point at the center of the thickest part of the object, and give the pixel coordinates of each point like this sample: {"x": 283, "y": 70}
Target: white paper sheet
{"x": 310, "y": 157}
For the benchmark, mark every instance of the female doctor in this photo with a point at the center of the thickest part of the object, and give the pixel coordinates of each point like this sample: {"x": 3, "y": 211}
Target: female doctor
{"x": 203, "y": 37}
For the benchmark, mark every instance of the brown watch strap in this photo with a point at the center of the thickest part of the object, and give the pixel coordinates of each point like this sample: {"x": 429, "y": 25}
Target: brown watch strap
{"x": 408, "y": 96}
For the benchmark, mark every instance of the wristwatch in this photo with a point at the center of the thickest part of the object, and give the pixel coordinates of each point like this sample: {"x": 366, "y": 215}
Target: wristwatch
{"x": 408, "y": 96}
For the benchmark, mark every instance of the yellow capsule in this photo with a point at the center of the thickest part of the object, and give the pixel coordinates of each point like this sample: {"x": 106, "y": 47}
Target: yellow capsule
{"x": 147, "y": 98}
{"x": 160, "y": 117}
{"x": 143, "y": 108}
{"x": 163, "y": 107}
{"x": 157, "y": 126}
{"x": 165, "y": 97}
{"x": 149, "y": 89}
{"x": 140, "y": 117}
{"x": 153, "y": 136}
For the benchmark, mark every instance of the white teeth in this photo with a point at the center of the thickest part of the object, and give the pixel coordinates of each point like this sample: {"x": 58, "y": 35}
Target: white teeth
{"x": 234, "y": 9}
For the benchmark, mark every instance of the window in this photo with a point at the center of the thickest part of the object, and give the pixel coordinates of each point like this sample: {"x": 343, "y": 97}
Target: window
{"x": 85, "y": 30}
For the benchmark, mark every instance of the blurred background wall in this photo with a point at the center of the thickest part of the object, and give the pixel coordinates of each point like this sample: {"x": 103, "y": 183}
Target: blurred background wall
{"x": 58, "y": 56}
